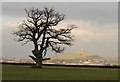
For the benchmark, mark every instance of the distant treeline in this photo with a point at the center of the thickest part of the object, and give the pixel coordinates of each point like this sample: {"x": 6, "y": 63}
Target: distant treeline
{"x": 91, "y": 66}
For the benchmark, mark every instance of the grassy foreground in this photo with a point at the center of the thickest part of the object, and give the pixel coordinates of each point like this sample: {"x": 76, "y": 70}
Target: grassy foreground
{"x": 14, "y": 72}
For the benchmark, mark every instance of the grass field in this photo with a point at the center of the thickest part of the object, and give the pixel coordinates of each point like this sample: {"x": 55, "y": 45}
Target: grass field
{"x": 14, "y": 72}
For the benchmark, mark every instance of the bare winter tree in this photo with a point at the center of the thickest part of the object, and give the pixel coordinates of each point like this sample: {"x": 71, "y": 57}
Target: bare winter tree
{"x": 40, "y": 28}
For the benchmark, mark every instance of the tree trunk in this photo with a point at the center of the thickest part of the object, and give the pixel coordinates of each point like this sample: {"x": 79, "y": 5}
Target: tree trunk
{"x": 39, "y": 64}
{"x": 37, "y": 58}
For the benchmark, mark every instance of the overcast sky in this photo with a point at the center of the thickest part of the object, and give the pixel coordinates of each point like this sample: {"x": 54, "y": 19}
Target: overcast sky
{"x": 97, "y": 24}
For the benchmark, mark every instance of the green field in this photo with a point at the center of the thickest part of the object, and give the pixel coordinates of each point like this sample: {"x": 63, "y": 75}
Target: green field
{"x": 14, "y": 72}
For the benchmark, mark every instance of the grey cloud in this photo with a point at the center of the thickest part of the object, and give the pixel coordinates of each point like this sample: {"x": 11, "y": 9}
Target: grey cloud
{"x": 103, "y": 41}
{"x": 96, "y": 11}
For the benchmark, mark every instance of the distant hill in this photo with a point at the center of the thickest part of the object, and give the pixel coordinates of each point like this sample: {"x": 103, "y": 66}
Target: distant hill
{"x": 78, "y": 55}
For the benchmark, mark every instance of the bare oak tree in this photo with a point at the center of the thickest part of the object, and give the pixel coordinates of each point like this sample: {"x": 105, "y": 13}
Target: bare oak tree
{"x": 40, "y": 28}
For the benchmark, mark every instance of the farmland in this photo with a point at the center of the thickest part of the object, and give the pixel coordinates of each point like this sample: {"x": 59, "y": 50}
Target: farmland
{"x": 19, "y": 72}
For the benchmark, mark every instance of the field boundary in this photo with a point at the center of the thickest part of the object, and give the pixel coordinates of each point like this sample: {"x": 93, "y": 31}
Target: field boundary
{"x": 32, "y": 64}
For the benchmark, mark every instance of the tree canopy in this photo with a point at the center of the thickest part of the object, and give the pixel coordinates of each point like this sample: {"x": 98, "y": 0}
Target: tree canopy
{"x": 40, "y": 28}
